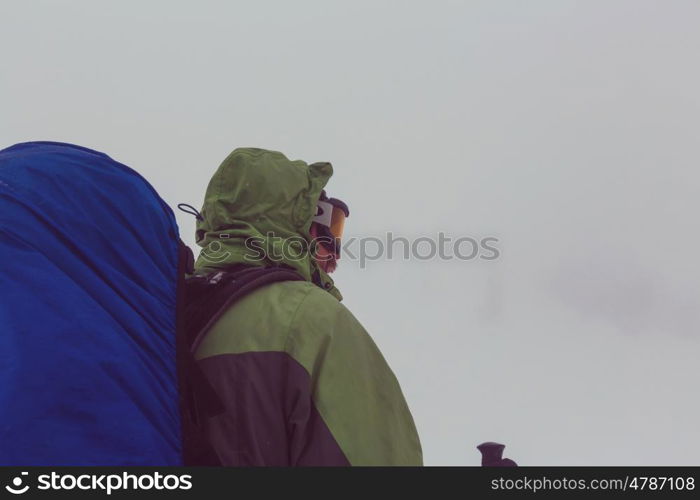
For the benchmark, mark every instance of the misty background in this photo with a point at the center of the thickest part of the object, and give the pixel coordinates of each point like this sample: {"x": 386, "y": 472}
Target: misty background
{"x": 569, "y": 130}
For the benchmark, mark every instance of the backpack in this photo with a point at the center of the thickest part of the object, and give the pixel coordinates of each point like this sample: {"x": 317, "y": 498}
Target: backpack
{"x": 99, "y": 316}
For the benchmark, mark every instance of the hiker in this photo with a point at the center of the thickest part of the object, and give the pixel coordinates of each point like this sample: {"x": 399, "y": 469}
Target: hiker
{"x": 301, "y": 381}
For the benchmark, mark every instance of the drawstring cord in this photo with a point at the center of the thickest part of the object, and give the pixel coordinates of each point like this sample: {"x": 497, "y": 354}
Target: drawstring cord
{"x": 191, "y": 211}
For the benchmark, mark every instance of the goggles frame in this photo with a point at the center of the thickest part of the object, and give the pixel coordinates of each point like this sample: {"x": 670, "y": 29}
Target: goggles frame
{"x": 330, "y": 219}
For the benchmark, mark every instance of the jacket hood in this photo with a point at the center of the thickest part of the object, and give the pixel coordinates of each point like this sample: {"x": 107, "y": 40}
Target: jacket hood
{"x": 258, "y": 210}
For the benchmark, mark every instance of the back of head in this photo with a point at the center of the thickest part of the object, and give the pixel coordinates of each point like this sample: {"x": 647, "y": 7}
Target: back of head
{"x": 260, "y": 200}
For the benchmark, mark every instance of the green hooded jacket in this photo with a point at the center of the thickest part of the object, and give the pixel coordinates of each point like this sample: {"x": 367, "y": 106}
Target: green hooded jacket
{"x": 302, "y": 381}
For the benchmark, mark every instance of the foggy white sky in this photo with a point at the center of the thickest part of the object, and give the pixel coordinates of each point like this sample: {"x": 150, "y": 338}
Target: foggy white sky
{"x": 568, "y": 129}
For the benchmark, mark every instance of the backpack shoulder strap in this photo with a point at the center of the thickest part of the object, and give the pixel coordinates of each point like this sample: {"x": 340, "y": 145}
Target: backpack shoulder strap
{"x": 204, "y": 301}
{"x": 210, "y": 297}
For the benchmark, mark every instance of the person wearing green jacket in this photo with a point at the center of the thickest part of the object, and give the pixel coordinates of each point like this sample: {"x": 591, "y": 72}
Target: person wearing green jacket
{"x": 302, "y": 382}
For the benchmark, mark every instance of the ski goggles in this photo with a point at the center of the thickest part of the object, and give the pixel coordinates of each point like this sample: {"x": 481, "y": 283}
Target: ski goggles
{"x": 330, "y": 217}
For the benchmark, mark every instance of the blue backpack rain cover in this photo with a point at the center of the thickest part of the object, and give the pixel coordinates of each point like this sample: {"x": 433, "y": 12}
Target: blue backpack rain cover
{"x": 89, "y": 256}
